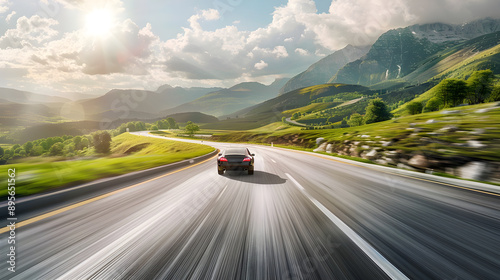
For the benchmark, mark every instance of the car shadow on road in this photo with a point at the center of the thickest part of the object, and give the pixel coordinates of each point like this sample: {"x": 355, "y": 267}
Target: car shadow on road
{"x": 258, "y": 177}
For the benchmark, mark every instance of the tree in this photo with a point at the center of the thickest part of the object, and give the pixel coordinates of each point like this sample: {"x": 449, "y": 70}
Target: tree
{"x": 37, "y": 151}
{"x": 56, "y": 149}
{"x": 28, "y": 146}
{"x": 131, "y": 127}
{"x": 85, "y": 143}
{"x": 495, "y": 95}
{"x": 377, "y": 111}
{"x": 102, "y": 141}
{"x": 355, "y": 120}
{"x": 57, "y": 139}
{"x": 3, "y": 159}
{"x": 140, "y": 126}
{"x": 295, "y": 116}
{"x": 171, "y": 123}
{"x": 283, "y": 119}
{"x": 480, "y": 85}
{"x": 122, "y": 128}
{"x": 344, "y": 124}
{"x": 191, "y": 128}
{"x": 78, "y": 143}
{"x": 69, "y": 149}
{"x": 8, "y": 153}
{"x": 162, "y": 124}
{"x": 432, "y": 105}
{"x": 154, "y": 127}
{"x": 451, "y": 92}
{"x": 414, "y": 107}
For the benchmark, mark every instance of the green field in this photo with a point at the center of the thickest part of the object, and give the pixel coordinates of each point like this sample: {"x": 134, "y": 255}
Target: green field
{"x": 128, "y": 153}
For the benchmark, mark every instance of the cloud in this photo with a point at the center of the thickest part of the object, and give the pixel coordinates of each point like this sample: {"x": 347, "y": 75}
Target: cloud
{"x": 4, "y": 6}
{"x": 9, "y": 16}
{"x": 363, "y": 22}
{"x": 457, "y": 12}
{"x": 302, "y": 51}
{"x": 89, "y": 5}
{"x": 134, "y": 56}
{"x": 261, "y": 65}
{"x": 277, "y": 52}
{"x": 39, "y": 60}
{"x": 210, "y": 14}
{"x": 29, "y": 31}
{"x": 230, "y": 53}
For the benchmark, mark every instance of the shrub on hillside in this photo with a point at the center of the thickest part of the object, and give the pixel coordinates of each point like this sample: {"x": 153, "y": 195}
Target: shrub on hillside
{"x": 377, "y": 111}
{"x": 495, "y": 95}
{"x": 480, "y": 85}
{"x": 102, "y": 141}
{"x": 355, "y": 120}
{"x": 451, "y": 92}
{"x": 432, "y": 105}
{"x": 414, "y": 107}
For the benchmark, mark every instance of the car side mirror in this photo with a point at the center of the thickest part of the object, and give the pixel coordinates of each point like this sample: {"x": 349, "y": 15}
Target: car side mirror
{"x": 253, "y": 155}
{"x": 220, "y": 154}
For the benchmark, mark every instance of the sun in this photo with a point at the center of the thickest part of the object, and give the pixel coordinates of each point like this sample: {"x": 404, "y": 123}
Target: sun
{"x": 99, "y": 22}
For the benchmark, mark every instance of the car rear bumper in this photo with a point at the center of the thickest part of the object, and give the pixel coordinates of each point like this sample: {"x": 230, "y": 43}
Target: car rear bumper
{"x": 235, "y": 166}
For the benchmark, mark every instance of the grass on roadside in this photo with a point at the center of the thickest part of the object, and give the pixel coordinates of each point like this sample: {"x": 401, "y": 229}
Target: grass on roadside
{"x": 128, "y": 153}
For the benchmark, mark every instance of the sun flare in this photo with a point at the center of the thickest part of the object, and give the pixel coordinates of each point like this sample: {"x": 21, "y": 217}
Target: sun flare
{"x": 99, "y": 22}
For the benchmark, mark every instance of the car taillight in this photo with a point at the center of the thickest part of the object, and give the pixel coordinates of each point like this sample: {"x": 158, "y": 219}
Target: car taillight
{"x": 247, "y": 159}
{"x": 223, "y": 159}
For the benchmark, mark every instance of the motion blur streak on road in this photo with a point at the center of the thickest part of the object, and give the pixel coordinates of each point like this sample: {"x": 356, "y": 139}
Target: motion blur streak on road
{"x": 196, "y": 224}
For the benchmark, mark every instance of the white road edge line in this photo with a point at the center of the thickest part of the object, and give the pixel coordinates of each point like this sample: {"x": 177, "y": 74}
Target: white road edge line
{"x": 273, "y": 160}
{"x": 373, "y": 254}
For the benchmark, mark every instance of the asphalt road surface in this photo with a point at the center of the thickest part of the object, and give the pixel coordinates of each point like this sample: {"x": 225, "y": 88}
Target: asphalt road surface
{"x": 299, "y": 216}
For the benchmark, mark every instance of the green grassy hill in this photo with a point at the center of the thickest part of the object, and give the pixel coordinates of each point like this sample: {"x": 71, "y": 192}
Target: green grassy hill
{"x": 449, "y": 138}
{"x": 312, "y": 108}
{"x": 272, "y": 110}
{"x": 128, "y": 153}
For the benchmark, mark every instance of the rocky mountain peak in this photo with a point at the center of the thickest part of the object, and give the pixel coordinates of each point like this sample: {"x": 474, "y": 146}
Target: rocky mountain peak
{"x": 442, "y": 32}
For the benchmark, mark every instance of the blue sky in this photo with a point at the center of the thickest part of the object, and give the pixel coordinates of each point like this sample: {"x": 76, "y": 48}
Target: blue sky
{"x": 92, "y": 46}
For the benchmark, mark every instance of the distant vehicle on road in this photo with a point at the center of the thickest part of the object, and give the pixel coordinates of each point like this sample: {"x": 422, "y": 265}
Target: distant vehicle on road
{"x": 235, "y": 159}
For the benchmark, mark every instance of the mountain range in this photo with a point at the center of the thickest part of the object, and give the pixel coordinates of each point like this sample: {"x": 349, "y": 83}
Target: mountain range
{"x": 226, "y": 101}
{"x": 323, "y": 70}
{"x": 399, "y": 52}
{"x": 25, "y": 97}
{"x": 400, "y": 58}
{"x": 402, "y": 64}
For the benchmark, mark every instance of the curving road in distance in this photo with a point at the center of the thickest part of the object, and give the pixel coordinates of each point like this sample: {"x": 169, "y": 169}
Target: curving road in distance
{"x": 300, "y": 216}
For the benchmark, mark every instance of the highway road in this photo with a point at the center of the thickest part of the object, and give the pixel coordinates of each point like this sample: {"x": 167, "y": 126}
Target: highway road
{"x": 300, "y": 216}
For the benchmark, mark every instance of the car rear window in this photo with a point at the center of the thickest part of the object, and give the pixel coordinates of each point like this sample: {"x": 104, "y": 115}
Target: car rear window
{"x": 236, "y": 151}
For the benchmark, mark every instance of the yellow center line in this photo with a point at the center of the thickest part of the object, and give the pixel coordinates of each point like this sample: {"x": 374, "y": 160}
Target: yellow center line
{"x": 73, "y": 206}
{"x": 401, "y": 175}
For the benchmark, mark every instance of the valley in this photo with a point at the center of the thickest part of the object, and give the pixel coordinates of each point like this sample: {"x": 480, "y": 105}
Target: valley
{"x": 329, "y": 100}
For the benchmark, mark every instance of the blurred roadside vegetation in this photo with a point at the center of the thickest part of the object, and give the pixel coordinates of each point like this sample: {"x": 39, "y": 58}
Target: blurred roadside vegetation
{"x": 127, "y": 153}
